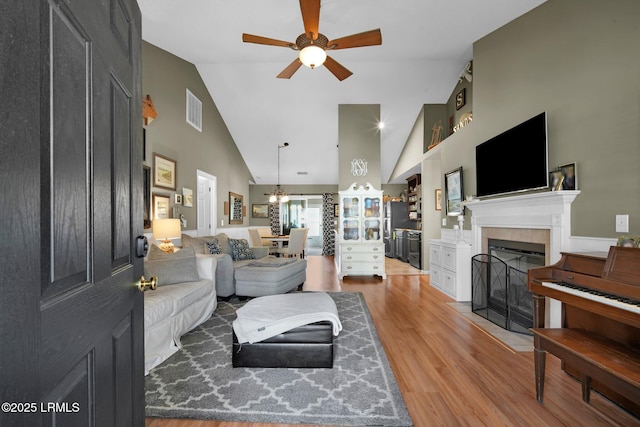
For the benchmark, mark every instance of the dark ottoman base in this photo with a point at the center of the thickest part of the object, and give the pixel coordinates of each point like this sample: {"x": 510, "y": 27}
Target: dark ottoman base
{"x": 309, "y": 346}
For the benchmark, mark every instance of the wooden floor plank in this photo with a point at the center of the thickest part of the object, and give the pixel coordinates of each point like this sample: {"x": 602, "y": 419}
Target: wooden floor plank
{"x": 450, "y": 372}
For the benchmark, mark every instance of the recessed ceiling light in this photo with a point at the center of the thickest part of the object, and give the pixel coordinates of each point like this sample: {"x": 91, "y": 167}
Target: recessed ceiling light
{"x": 380, "y": 125}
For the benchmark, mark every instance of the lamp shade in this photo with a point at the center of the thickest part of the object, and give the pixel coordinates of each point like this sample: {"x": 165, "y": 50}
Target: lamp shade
{"x": 312, "y": 56}
{"x": 164, "y": 229}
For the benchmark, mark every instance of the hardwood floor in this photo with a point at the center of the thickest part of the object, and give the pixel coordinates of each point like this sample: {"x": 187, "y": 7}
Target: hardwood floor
{"x": 450, "y": 372}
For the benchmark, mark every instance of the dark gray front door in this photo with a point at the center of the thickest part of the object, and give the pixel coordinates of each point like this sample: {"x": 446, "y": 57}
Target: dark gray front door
{"x": 71, "y": 319}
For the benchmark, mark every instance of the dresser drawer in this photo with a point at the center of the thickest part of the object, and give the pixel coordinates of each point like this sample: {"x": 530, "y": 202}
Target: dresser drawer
{"x": 361, "y": 256}
{"x": 449, "y": 258}
{"x": 435, "y": 276}
{"x": 362, "y": 268}
{"x": 449, "y": 282}
{"x": 370, "y": 249}
{"x": 435, "y": 255}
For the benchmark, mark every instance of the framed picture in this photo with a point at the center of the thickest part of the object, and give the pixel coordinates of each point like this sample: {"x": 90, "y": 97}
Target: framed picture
{"x": 164, "y": 172}
{"x": 161, "y": 206}
{"x": 570, "y": 176}
{"x": 555, "y": 180}
{"x": 177, "y": 199}
{"x": 453, "y": 192}
{"x": 461, "y": 98}
{"x": 260, "y": 210}
{"x": 336, "y": 210}
{"x": 187, "y": 197}
{"x": 438, "y": 199}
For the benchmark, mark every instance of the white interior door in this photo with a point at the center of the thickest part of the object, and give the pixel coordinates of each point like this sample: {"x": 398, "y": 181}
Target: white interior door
{"x": 206, "y": 204}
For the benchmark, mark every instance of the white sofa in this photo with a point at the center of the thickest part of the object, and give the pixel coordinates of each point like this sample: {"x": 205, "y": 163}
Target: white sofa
{"x": 185, "y": 298}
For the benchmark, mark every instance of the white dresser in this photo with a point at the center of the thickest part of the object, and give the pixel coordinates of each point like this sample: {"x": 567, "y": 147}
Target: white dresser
{"x": 360, "y": 248}
{"x": 450, "y": 268}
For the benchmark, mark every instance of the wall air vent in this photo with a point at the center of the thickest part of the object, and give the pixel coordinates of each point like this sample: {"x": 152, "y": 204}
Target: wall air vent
{"x": 194, "y": 111}
{"x": 303, "y": 173}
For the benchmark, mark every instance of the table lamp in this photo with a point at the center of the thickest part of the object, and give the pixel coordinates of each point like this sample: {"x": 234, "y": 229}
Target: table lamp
{"x": 164, "y": 230}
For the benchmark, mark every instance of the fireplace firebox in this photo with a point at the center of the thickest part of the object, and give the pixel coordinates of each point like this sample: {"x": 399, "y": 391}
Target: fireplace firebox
{"x": 499, "y": 291}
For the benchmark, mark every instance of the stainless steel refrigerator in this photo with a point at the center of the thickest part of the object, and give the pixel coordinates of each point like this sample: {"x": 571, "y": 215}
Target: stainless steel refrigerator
{"x": 396, "y": 215}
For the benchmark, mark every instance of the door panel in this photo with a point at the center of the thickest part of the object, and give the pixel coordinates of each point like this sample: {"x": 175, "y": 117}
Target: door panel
{"x": 70, "y": 310}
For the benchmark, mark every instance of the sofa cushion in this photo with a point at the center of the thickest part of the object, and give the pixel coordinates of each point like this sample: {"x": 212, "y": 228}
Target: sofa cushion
{"x": 170, "y": 269}
{"x": 240, "y": 250}
{"x": 158, "y": 306}
{"x": 213, "y": 246}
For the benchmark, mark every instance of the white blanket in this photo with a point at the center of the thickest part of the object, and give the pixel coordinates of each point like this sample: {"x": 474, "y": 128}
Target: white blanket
{"x": 265, "y": 317}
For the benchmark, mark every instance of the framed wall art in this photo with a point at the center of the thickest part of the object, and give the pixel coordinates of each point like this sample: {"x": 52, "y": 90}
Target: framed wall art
{"x": 438, "y": 199}
{"x": 461, "y": 98}
{"x": 161, "y": 206}
{"x": 453, "y": 192}
{"x": 164, "y": 172}
{"x": 260, "y": 210}
{"x": 555, "y": 180}
{"x": 177, "y": 199}
{"x": 570, "y": 176}
{"x": 187, "y": 197}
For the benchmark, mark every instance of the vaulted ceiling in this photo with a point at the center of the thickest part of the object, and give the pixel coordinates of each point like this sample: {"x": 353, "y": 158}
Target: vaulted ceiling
{"x": 425, "y": 46}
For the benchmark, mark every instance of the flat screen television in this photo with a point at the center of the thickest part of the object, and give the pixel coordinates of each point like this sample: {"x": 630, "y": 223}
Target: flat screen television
{"x": 516, "y": 160}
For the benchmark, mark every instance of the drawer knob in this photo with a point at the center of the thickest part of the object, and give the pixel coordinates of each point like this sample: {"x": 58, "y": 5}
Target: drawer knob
{"x": 349, "y": 267}
{"x": 375, "y": 257}
{"x": 349, "y": 257}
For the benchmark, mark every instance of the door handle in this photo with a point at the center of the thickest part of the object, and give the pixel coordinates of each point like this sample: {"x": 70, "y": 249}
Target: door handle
{"x": 143, "y": 284}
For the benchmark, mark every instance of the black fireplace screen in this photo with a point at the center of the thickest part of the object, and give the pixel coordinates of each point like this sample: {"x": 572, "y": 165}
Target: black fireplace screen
{"x": 499, "y": 293}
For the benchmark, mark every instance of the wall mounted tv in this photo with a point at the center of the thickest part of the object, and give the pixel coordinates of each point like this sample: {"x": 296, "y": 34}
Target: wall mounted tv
{"x": 515, "y": 160}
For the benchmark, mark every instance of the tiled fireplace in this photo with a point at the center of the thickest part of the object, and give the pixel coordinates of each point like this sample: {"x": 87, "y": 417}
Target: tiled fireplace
{"x": 543, "y": 218}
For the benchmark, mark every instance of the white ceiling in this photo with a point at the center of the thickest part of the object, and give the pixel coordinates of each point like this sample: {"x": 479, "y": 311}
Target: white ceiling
{"x": 425, "y": 46}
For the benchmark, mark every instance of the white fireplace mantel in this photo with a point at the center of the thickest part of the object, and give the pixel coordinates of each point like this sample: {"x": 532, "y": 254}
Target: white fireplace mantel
{"x": 547, "y": 210}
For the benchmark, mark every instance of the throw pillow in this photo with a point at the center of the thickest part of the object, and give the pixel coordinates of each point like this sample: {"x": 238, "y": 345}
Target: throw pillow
{"x": 240, "y": 249}
{"x": 170, "y": 269}
{"x": 197, "y": 243}
{"x": 213, "y": 246}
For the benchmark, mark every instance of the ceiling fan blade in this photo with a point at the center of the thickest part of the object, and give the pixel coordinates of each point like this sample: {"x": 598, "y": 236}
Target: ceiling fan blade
{"x": 336, "y": 69}
{"x": 250, "y": 38}
{"x": 368, "y": 38}
{"x": 291, "y": 68}
{"x": 311, "y": 17}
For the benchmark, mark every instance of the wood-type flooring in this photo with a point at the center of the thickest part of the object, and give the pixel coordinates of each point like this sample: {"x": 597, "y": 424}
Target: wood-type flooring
{"x": 450, "y": 372}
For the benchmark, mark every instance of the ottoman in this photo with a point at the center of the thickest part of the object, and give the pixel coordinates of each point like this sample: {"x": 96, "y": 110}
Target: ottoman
{"x": 308, "y": 346}
{"x": 270, "y": 276}
{"x": 293, "y": 330}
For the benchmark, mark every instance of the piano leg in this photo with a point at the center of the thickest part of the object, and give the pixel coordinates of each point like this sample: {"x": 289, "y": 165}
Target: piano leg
{"x": 539, "y": 358}
{"x": 586, "y": 388}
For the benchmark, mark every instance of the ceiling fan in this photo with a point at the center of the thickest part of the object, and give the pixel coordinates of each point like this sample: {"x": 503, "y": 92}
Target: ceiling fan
{"x": 313, "y": 45}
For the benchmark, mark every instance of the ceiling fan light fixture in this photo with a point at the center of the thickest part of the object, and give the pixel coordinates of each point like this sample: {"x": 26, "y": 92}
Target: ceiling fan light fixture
{"x": 312, "y": 56}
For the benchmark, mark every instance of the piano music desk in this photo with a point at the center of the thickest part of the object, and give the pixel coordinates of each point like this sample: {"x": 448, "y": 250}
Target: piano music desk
{"x": 596, "y": 357}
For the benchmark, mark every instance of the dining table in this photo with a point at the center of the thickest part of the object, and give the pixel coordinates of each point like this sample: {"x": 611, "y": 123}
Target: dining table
{"x": 279, "y": 240}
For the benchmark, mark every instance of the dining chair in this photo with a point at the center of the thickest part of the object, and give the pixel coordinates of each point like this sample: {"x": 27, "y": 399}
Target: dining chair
{"x": 256, "y": 240}
{"x": 297, "y": 243}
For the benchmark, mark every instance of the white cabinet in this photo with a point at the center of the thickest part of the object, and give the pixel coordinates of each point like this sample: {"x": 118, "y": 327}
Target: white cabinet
{"x": 360, "y": 249}
{"x": 450, "y": 268}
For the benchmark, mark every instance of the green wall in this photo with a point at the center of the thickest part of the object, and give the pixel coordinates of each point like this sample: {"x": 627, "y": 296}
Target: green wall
{"x": 579, "y": 60}
{"x": 165, "y": 78}
{"x": 359, "y": 138}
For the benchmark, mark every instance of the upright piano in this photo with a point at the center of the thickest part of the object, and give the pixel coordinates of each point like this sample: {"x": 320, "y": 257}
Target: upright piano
{"x": 599, "y": 338}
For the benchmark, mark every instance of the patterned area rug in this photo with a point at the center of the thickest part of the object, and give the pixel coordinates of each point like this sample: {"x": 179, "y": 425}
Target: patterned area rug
{"x": 199, "y": 382}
